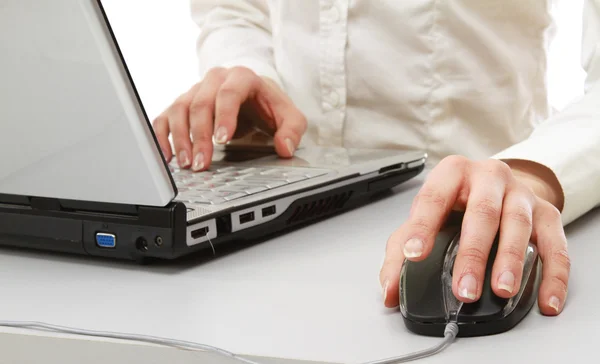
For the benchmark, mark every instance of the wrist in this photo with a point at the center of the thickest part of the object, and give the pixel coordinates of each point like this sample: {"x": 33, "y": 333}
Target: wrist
{"x": 540, "y": 179}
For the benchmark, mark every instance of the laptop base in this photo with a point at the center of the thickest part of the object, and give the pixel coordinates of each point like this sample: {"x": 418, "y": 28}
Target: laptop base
{"x": 147, "y": 233}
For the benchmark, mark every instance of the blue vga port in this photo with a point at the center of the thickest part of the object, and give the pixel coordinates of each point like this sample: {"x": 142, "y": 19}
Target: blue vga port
{"x": 106, "y": 240}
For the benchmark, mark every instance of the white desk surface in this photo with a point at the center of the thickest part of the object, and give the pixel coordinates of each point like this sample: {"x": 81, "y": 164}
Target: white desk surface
{"x": 312, "y": 294}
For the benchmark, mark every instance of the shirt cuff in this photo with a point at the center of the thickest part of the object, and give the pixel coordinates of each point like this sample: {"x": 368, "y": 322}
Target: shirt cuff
{"x": 567, "y": 144}
{"x": 259, "y": 67}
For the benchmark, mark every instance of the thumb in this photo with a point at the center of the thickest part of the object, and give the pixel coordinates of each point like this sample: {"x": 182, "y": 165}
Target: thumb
{"x": 289, "y": 132}
{"x": 289, "y": 122}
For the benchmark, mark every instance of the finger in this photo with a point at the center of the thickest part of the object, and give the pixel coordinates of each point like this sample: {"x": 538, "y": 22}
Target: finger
{"x": 552, "y": 245}
{"x": 179, "y": 125}
{"x": 415, "y": 238}
{"x": 390, "y": 271}
{"x": 161, "y": 130}
{"x": 478, "y": 232}
{"x": 290, "y": 123}
{"x": 240, "y": 84}
{"x": 289, "y": 132}
{"x": 515, "y": 233}
{"x": 202, "y": 118}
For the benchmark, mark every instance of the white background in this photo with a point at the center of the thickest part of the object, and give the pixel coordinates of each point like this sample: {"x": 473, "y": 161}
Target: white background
{"x": 158, "y": 40}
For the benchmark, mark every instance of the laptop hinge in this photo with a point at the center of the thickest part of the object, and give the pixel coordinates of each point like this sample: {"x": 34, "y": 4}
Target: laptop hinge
{"x": 46, "y": 204}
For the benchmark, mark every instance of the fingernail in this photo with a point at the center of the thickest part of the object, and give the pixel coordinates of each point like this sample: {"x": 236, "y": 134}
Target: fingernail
{"x": 413, "y": 248}
{"x": 198, "y": 162}
{"x": 385, "y": 289}
{"x": 467, "y": 287}
{"x": 507, "y": 281}
{"x": 554, "y": 302}
{"x": 184, "y": 160}
{"x": 290, "y": 146}
{"x": 221, "y": 135}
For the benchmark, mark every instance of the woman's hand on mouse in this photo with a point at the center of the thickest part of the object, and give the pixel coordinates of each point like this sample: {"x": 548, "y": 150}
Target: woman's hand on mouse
{"x": 213, "y": 107}
{"x": 519, "y": 199}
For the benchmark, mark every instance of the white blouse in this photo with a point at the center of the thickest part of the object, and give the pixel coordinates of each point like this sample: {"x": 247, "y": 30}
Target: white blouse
{"x": 448, "y": 77}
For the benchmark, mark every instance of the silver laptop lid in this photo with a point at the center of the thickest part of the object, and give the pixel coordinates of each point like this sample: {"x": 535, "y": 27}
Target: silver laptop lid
{"x": 71, "y": 124}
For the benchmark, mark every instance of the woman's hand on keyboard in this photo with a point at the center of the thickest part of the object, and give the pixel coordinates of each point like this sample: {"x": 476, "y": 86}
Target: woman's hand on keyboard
{"x": 226, "y": 104}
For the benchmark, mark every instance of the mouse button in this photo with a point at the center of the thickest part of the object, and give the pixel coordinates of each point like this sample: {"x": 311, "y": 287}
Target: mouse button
{"x": 530, "y": 274}
{"x": 420, "y": 292}
{"x": 489, "y": 307}
{"x": 421, "y": 282}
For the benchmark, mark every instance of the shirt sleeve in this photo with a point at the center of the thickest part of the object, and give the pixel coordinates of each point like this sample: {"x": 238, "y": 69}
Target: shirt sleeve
{"x": 569, "y": 142}
{"x": 234, "y": 33}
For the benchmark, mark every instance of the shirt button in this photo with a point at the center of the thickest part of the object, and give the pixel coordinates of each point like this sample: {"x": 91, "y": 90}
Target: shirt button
{"x": 334, "y": 14}
{"x": 334, "y": 99}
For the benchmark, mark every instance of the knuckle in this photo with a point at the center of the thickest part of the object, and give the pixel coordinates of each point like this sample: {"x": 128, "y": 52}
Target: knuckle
{"x": 455, "y": 161}
{"x": 561, "y": 258}
{"x": 200, "y": 105}
{"x": 474, "y": 255}
{"x": 180, "y": 105}
{"x": 487, "y": 210}
{"x": 421, "y": 223}
{"x": 431, "y": 196}
{"x": 217, "y": 72}
{"x": 512, "y": 251}
{"x": 201, "y": 135}
{"x": 178, "y": 128}
{"x": 550, "y": 211}
{"x": 519, "y": 214}
{"x": 241, "y": 72}
{"x": 229, "y": 92}
{"x": 498, "y": 168}
{"x": 560, "y": 282}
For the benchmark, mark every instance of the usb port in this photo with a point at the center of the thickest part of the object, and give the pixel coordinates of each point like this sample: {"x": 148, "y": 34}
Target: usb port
{"x": 247, "y": 217}
{"x": 106, "y": 240}
{"x": 200, "y": 233}
{"x": 268, "y": 211}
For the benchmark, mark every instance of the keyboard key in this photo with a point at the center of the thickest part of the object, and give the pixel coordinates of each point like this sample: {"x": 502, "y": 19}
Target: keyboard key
{"x": 292, "y": 179}
{"x": 315, "y": 173}
{"x": 258, "y": 177}
{"x": 275, "y": 184}
{"x": 222, "y": 194}
{"x": 235, "y": 196}
{"x": 225, "y": 169}
{"x": 256, "y": 189}
{"x": 202, "y": 201}
{"x": 247, "y": 170}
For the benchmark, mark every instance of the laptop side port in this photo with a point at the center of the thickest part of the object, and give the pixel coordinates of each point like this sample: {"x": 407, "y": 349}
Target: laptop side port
{"x": 204, "y": 231}
{"x": 269, "y": 211}
{"x": 106, "y": 240}
{"x": 247, "y": 217}
{"x": 200, "y": 233}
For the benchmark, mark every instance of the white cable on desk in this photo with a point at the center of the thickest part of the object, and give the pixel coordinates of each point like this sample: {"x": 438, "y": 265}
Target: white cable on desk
{"x": 449, "y": 335}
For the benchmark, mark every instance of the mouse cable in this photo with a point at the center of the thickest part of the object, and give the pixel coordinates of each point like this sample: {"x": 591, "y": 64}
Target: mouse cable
{"x": 449, "y": 335}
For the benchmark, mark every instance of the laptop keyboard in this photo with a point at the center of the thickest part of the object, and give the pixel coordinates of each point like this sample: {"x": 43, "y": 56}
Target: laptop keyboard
{"x": 222, "y": 184}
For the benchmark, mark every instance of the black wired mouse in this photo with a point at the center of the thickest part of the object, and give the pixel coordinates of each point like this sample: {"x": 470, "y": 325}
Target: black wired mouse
{"x": 425, "y": 286}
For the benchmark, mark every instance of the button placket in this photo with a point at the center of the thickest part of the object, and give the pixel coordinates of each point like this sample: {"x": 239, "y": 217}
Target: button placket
{"x": 333, "y": 34}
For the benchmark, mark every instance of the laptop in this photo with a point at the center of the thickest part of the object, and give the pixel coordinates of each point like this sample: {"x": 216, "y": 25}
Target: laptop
{"x": 81, "y": 170}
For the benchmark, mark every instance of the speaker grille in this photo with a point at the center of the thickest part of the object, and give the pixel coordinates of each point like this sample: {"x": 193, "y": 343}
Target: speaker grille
{"x": 319, "y": 207}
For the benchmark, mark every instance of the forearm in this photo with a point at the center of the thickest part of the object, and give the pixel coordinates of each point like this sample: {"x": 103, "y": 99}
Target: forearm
{"x": 234, "y": 33}
{"x": 561, "y": 159}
